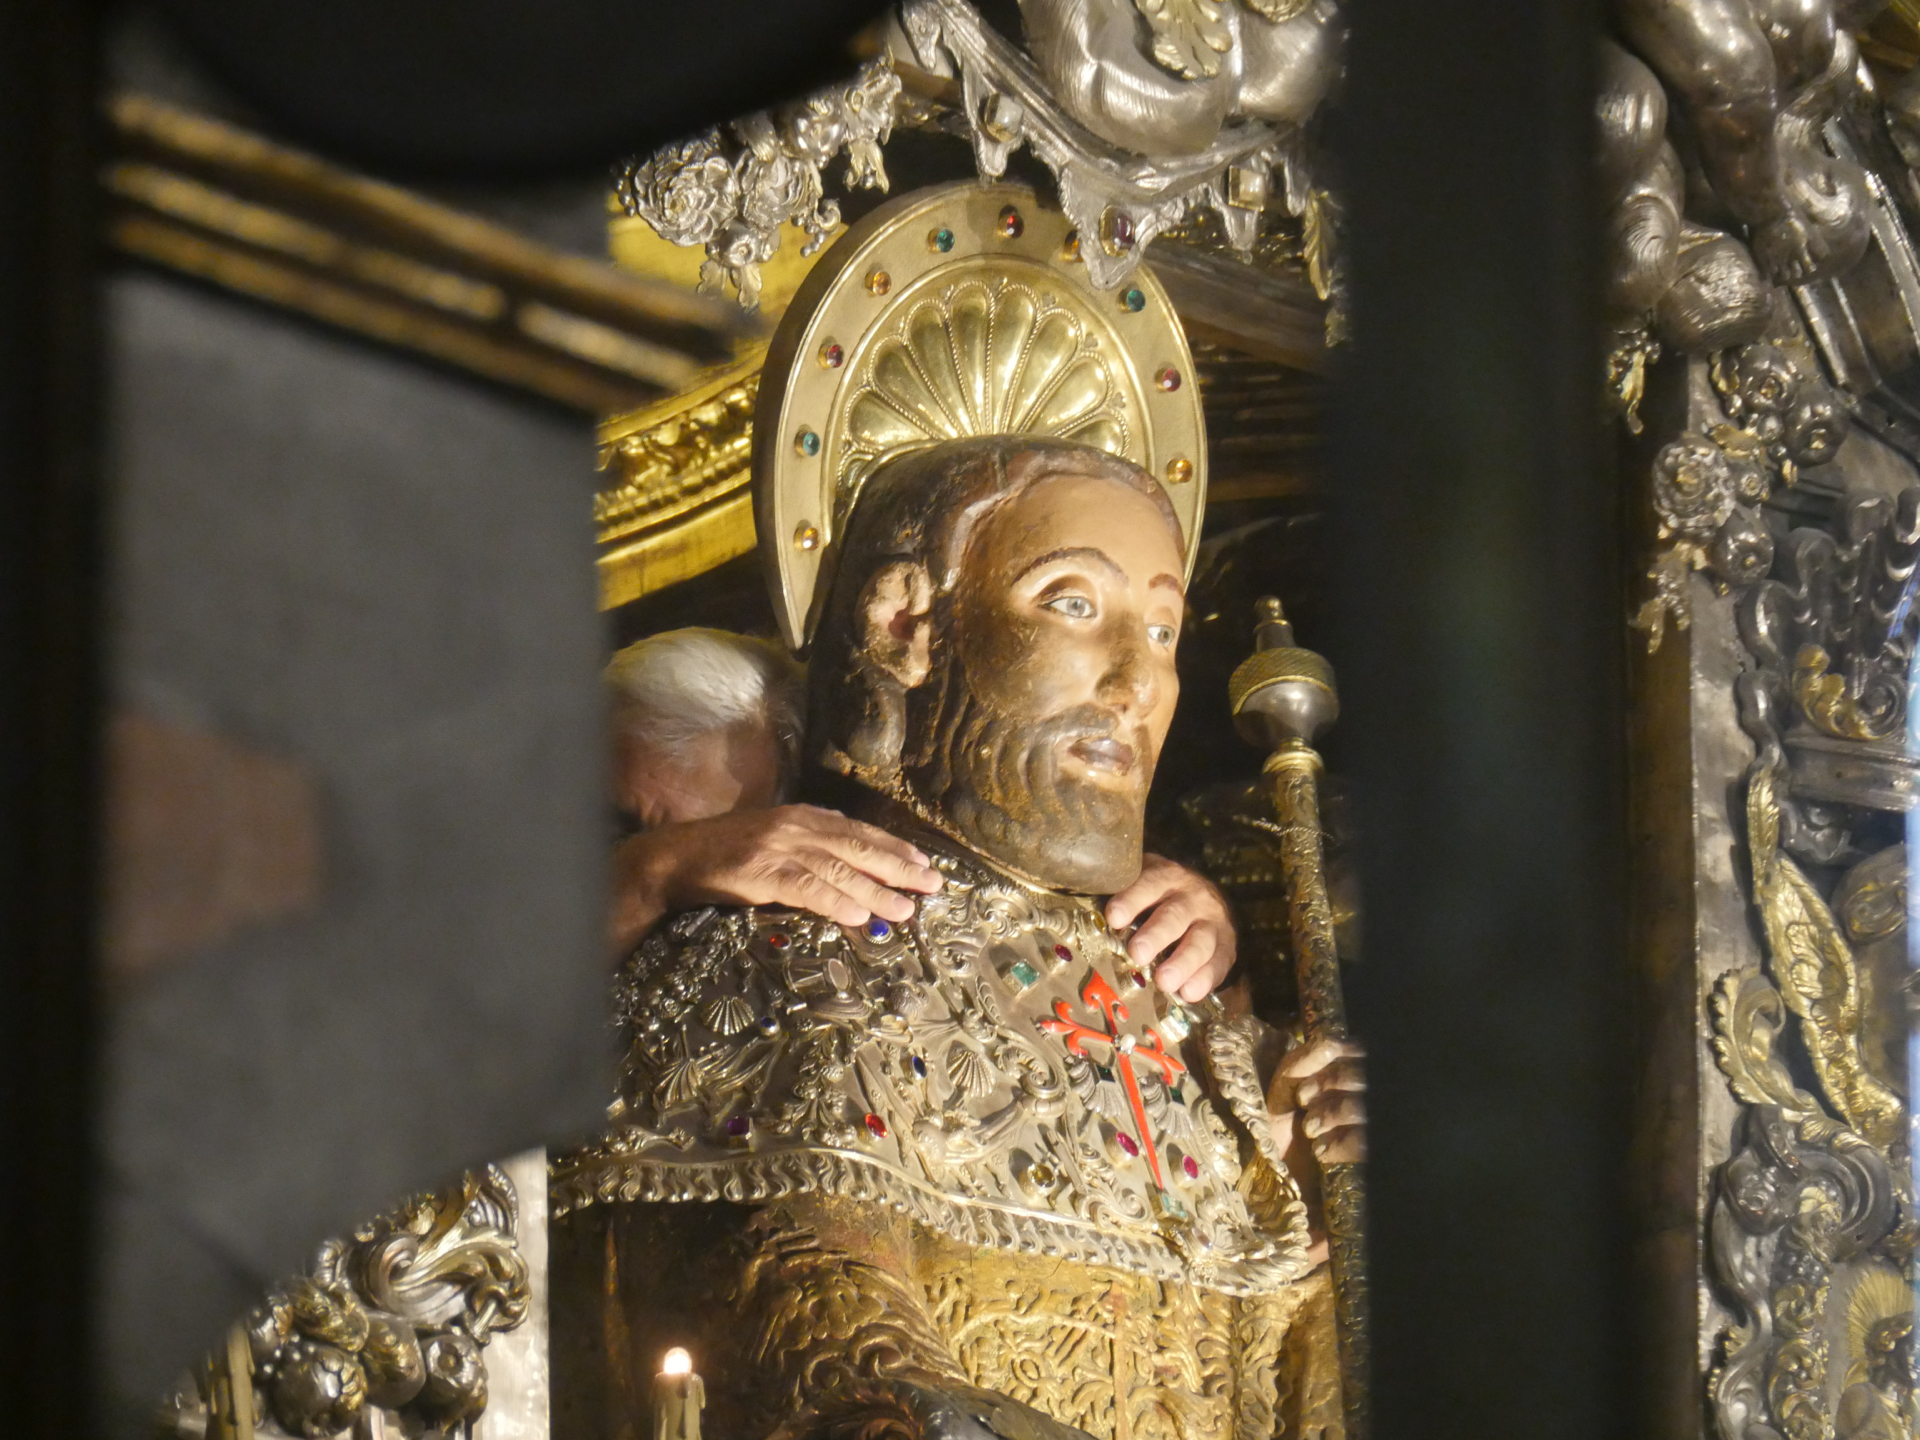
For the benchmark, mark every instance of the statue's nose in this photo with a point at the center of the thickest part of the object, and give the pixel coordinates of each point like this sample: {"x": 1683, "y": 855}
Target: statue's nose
{"x": 1130, "y": 684}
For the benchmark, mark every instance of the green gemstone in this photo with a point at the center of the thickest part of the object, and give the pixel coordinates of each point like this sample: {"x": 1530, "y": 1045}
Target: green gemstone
{"x": 1134, "y": 299}
{"x": 808, "y": 442}
{"x": 1023, "y": 974}
{"x": 942, "y": 239}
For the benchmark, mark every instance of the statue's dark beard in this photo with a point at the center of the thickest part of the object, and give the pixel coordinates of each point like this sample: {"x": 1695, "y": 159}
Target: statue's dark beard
{"x": 997, "y": 782}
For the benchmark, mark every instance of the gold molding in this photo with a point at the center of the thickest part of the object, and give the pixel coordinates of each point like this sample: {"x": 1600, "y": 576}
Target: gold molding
{"x": 676, "y": 502}
{"x": 207, "y": 199}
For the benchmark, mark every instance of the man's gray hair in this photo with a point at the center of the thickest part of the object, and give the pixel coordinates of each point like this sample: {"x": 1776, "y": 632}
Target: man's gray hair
{"x": 671, "y": 688}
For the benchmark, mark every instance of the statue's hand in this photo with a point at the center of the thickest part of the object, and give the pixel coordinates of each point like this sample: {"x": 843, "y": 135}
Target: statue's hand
{"x": 796, "y": 855}
{"x": 1321, "y": 1088}
{"x": 1186, "y": 934}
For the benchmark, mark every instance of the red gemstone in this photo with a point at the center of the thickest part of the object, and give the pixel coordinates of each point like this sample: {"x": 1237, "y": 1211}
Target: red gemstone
{"x": 1127, "y": 1143}
{"x": 1011, "y": 224}
{"x": 777, "y": 940}
{"x": 876, "y": 1127}
{"x": 1140, "y": 978}
{"x": 1191, "y": 1166}
{"x": 831, "y": 355}
{"x": 1122, "y": 230}
{"x": 1168, "y": 379}
{"x": 1060, "y": 952}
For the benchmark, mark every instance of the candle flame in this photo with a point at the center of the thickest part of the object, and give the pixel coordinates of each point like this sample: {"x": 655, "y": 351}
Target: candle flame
{"x": 678, "y": 1362}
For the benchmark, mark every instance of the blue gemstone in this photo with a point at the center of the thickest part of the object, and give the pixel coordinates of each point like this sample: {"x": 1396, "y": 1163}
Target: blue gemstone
{"x": 919, "y": 1067}
{"x": 878, "y": 929}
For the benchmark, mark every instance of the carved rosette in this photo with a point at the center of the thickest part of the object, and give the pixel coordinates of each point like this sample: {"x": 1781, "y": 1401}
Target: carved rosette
{"x": 994, "y": 1068}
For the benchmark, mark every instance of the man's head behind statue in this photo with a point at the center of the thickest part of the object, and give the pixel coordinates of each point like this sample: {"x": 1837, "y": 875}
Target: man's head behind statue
{"x": 996, "y": 651}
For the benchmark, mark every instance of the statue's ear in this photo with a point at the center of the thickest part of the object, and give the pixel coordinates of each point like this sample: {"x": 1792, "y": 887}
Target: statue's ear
{"x": 896, "y": 631}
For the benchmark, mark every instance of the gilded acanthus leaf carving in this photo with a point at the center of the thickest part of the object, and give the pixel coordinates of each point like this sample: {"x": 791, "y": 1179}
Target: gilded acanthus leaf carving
{"x": 1814, "y": 967}
{"x": 1189, "y": 36}
{"x": 1748, "y": 1016}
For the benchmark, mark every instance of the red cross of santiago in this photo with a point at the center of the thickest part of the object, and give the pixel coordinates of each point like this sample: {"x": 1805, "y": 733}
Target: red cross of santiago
{"x": 1099, "y": 995}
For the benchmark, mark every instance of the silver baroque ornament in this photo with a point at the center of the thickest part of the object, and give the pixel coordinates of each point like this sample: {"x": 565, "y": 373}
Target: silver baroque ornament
{"x": 734, "y": 199}
{"x": 994, "y": 1068}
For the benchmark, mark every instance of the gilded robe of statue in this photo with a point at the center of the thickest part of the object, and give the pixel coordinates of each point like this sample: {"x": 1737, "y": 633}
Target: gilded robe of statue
{"x": 971, "y": 1174}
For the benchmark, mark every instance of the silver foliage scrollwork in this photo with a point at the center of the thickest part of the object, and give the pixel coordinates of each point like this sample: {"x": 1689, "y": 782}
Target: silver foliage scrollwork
{"x": 390, "y": 1323}
{"x": 733, "y": 199}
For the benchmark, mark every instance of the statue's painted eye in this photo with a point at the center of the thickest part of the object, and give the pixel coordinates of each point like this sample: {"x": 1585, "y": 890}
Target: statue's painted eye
{"x": 1160, "y": 634}
{"x": 1079, "y": 607}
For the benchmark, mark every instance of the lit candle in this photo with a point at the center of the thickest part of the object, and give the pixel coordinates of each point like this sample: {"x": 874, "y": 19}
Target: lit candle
{"x": 678, "y": 1397}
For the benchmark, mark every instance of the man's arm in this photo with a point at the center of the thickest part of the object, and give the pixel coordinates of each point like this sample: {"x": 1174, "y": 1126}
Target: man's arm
{"x": 796, "y": 855}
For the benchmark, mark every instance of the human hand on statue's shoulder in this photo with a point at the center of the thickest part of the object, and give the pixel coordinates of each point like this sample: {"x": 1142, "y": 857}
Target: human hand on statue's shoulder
{"x": 800, "y": 856}
{"x": 1185, "y": 933}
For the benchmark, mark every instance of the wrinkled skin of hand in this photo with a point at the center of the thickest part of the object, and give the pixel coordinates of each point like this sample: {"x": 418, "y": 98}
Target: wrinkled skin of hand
{"x": 1185, "y": 935}
{"x": 795, "y": 855}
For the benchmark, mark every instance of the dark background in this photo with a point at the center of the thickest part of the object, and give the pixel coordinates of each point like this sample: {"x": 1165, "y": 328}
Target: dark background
{"x": 1472, "y": 545}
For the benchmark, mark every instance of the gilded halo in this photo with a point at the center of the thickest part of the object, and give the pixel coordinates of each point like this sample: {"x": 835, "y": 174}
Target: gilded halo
{"x": 955, "y": 312}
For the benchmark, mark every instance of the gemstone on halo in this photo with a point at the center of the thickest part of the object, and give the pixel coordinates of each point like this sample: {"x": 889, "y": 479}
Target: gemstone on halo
{"x": 1168, "y": 379}
{"x": 807, "y": 442}
{"x": 1011, "y": 225}
{"x": 941, "y": 240}
{"x": 831, "y": 355}
{"x": 1134, "y": 299}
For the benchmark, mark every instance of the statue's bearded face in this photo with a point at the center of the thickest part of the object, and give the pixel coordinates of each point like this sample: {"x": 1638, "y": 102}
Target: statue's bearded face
{"x": 1053, "y": 683}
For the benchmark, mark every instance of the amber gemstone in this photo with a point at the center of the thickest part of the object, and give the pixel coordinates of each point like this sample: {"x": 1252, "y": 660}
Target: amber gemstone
{"x": 879, "y": 282}
{"x": 1179, "y": 471}
{"x": 806, "y": 536}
